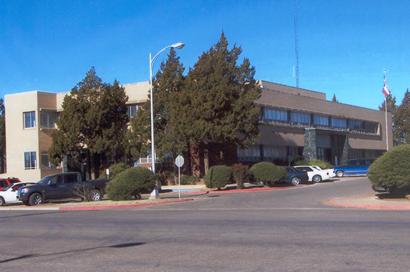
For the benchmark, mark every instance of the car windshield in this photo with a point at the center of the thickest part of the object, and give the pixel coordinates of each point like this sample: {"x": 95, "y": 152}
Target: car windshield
{"x": 45, "y": 180}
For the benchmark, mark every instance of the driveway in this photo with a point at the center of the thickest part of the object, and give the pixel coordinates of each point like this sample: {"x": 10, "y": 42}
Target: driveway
{"x": 286, "y": 230}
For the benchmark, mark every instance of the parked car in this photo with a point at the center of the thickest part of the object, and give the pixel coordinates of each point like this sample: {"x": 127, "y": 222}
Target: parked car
{"x": 315, "y": 173}
{"x": 6, "y": 182}
{"x": 295, "y": 177}
{"x": 358, "y": 167}
{"x": 8, "y": 195}
{"x": 61, "y": 186}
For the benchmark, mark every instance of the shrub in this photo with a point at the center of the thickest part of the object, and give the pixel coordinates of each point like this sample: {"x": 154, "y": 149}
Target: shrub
{"x": 392, "y": 169}
{"x": 241, "y": 174}
{"x": 320, "y": 163}
{"x": 218, "y": 176}
{"x": 131, "y": 183}
{"x": 117, "y": 168}
{"x": 188, "y": 180}
{"x": 267, "y": 172}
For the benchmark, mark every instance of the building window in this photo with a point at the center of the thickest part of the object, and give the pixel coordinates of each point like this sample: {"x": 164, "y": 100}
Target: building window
{"x": 45, "y": 161}
{"x": 270, "y": 114}
{"x": 29, "y": 119}
{"x": 300, "y": 118}
{"x": 48, "y": 118}
{"x": 132, "y": 110}
{"x": 339, "y": 122}
{"x": 251, "y": 153}
{"x": 275, "y": 153}
{"x": 356, "y": 124}
{"x": 30, "y": 160}
{"x": 320, "y": 120}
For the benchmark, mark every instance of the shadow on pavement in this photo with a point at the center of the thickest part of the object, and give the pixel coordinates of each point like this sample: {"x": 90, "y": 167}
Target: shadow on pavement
{"x": 27, "y": 214}
{"x": 28, "y": 256}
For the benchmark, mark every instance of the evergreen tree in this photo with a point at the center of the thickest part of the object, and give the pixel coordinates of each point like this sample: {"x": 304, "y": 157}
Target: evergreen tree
{"x": 334, "y": 99}
{"x": 167, "y": 84}
{"x": 391, "y": 104}
{"x": 219, "y": 100}
{"x": 402, "y": 119}
{"x": 92, "y": 125}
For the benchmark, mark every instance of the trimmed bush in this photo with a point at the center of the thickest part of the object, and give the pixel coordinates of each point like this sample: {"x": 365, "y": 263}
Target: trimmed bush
{"x": 241, "y": 174}
{"x": 320, "y": 163}
{"x": 267, "y": 172}
{"x": 131, "y": 183}
{"x": 392, "y": 170}
{"x": 218, "y": 176}
{"x": 188, "y": 180}
{"x": 117, "y": 168}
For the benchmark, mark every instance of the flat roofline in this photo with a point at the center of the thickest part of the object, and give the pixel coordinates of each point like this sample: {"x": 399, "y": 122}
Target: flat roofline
{"x": 292, "y": 87}
{"x": 328, "y": 101}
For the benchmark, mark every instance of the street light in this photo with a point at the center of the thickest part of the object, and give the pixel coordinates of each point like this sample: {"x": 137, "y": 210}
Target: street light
{"x": 177, "y": 45}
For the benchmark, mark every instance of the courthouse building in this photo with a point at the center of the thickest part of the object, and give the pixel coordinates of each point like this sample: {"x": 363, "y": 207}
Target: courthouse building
{"x": 294, "y": 122}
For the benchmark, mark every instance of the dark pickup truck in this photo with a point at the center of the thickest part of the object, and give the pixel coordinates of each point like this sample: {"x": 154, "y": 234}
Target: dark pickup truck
{"x": 61, "y": 186}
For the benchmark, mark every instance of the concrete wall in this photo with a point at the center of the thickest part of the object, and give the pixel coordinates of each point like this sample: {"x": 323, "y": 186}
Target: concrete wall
{"x": 18, "y": 139}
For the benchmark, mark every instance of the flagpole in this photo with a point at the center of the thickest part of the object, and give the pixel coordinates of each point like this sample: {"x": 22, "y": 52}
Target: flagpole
{"x": 385, "y": 113}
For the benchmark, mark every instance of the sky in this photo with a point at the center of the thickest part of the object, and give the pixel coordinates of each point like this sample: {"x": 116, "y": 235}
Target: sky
{"x": 344, "y": 46}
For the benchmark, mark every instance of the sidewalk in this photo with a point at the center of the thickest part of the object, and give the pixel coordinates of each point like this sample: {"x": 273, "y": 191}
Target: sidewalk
{"x": 370, "y": 202}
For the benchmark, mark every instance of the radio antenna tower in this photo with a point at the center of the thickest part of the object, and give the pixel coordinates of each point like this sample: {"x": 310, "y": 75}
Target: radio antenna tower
{"x": 295, "y": 32}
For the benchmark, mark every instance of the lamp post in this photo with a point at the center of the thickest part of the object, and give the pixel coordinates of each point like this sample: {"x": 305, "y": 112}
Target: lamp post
{"x": 178, "y": 45}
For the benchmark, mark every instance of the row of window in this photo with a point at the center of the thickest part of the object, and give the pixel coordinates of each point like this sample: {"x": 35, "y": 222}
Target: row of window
{"x": 48, "y": 118}
{"x": 30, "y": 160}
{"x": 303, "y": 118}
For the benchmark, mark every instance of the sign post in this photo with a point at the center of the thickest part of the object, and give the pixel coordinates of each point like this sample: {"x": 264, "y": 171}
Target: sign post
{"x": 179, "y": 162}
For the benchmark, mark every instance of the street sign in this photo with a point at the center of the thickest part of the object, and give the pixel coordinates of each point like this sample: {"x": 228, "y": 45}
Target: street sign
{"x": 179, "y": 161}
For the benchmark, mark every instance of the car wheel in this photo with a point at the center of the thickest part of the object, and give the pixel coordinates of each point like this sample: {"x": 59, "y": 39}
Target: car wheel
{"x": 317, "y": 178}
{"x": 295, "y": 181}
{"x": 339, "y": 173}
{"x": 35, "y": 199}
{"x": 2, "y": 202}
{"x": 95, "y": 195}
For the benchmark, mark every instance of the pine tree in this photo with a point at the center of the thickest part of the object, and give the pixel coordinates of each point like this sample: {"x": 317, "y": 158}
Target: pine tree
{"x": 92, "y": 125}
{"x": 402, "y": 119}
{"x": 391, "y": 104}
{"x": 167, "y": 84}
{"x": 334, "y": 99}
{"x": 219, "y": 100}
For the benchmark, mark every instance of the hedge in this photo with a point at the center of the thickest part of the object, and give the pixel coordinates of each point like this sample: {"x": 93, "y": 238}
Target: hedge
{"x": 392, "y": 170}
{"x": 267, "y": 172}
{"x": 218, "y": 176}
{"x": 117, "y": 168}
{"x": 131, "y": 183}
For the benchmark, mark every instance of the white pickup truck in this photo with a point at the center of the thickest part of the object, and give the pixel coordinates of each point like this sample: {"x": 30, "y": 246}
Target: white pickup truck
{"x": 315, "y": 173}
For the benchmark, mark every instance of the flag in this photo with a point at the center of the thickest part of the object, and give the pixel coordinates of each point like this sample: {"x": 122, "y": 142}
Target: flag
{"x": 385, "y": 90}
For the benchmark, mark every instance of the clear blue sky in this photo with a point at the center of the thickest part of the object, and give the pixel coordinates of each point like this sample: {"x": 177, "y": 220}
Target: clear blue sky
{"x": 344, "y": 45}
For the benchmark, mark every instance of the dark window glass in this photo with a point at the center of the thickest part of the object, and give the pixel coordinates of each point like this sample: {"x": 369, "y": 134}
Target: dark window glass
{"x": 132, "y": 110}
{"x": 271, "y": 114}
{"x": 300, "y": 118}
{"x": 29, "y": 119}
{"x": 339, "y": 122}
{"x": 48, "y": 118}
{"x": 30, "y": 160}
{"x": 320, "y": 120}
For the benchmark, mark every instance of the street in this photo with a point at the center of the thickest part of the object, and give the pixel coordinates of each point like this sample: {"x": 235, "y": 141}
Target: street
{"x": 283, "y": 230}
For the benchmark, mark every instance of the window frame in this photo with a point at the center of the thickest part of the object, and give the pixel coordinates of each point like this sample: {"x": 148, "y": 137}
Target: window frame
{"x": 32, "y": 119}
{"x": 31, "y": 163}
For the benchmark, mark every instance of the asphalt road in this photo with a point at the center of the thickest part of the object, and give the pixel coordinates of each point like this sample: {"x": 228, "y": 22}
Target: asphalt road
{"x": 265, "y": 231}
